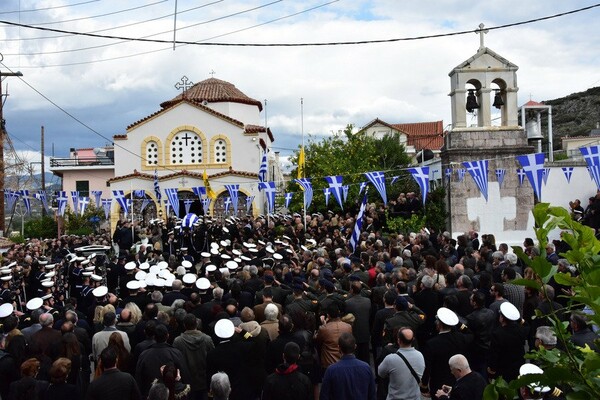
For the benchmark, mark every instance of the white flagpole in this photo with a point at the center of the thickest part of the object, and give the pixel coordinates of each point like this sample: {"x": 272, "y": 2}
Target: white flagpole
{"x": 260, "y": 160}
{"x": 131, "y": 197}
{"x": 304, "y": 159}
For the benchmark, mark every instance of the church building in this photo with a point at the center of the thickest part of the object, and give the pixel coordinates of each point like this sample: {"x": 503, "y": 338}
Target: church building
{"x": 212, "y": 129}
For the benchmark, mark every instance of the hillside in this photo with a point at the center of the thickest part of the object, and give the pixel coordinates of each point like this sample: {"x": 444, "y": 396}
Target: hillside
{"x": 575, "y": 114}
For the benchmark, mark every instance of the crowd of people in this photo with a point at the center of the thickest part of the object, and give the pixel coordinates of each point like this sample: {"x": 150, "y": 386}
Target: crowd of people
{"x": 273, "y": 307}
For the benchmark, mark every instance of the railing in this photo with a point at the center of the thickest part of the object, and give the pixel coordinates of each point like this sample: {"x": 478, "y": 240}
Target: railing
{"x": 81, "y": 161}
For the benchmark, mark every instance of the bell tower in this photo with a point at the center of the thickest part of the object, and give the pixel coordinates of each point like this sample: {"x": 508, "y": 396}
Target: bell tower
{"x": 485, "y": 126}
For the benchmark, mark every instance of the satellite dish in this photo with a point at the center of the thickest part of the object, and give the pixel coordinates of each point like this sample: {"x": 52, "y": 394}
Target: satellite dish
{"x": 99, "y": 151}
{"x": 204, "y": 103}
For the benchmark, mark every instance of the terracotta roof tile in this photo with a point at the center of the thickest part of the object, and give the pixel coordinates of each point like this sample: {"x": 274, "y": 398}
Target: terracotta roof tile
{"x": 120, "y": 137}
{"x": 214, "y": 90}
{"x": 258, "y": 129}
{"x": 423, "y": 135}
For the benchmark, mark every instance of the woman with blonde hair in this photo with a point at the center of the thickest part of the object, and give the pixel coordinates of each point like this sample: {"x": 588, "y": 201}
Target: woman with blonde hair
{"x": 136, "y": 313}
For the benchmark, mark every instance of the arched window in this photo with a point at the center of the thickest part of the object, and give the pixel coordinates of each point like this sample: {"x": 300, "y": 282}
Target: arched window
{"x": 151, "y": 153}
{"x": 186, "y": 148}
{"x": 220, "y": 151}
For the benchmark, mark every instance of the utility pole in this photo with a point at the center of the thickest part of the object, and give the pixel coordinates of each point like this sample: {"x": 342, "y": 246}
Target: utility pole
{"x": 43, "y": 172}
{"x": 2, "y": 136}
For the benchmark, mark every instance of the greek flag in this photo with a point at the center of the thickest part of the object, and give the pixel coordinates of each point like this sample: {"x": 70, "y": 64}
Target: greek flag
{"x": 336, "y": 188}
{"x": 41, "y": 196}
{"x": 106, "y": 203}
{"x": 449, "y": 173}
{"x": 75, "y": 198}
{"x": 308, "y": 190}
{"x": 394, "y": 179}
{"x": 591, "y": 155}
{"x": 288, "y": 198}
{"x": 227, "y": 203}
{"x": 500, "y": 173}
{"x": 327, "y": 193}
{"x": 157, "y": 192}
{"x": 167, "y": 207}
{"x": 377, "y": 178}
{"x": 546, "y": 174}
{"x": 521, "y": 176}
{"x": 421, "y": 175}
{"x": 145, "y": 203}
{"x": 362, "y": 187}
{"x": 119, "y": 196}
{"x": 26, "y": 200}
{"x": 479, "y": 172}
{"x": 188, "y": 204}
{"x": 568, "y": 171}
{"x": 234, "y": 191}
{"x": 140, "y": 194}
{"x": 346, "y": 188}
{"x": 83, "y": 203}
{"x": 61, "y": 200}
{"x": 358, "y": 225}
{"x": 262, "y": 171}
{"x": 199, "y": 191}
{"x": 206, "y": 205}
{"x": 533, "y": 167}
{"x": 13, "y": 196}
{"x": 269, "y": 188}
{"x": 97, "y": 197}
{"x": 249, "y": 200}
{"x": 173, "y": 199}
{"x": 461, "y": 174}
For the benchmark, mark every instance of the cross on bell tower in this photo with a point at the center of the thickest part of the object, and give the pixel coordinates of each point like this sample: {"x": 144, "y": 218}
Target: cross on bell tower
{"x": 184, "y": 84}
{"x": 481, "y": 32}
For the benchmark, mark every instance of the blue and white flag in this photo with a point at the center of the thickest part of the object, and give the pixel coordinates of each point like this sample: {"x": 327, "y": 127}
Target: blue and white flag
{"x": 521, "y": 176}
{"x": 227, "y": 204}
{"x": 61, "y": 202}
{"x": 97, "y": 197}
{"x": 26, "y": 200}
{"x": 394, "y": 179}
{"x": 308, "y": 190}
{"x": 377, "y": 178}
{"x": 157, "y": 192}
{"x": 479, "y": 172}
{"x": 41, "y": 196}
{"x": 119, "y": 196}
{"x": 75, "y": 199}
{"x": 234, "y": 191}
{"x": 145, "y": 203}
{"x": 591, "y": 155}
{"x": 449, "y": 173}
{"x": 262, "y": 171}
{"x": 346, "y": 189}
{"x": 545, "y": 176}
{"x": 421, "y": 175}
{"x": 358, "y": 224}
{"x": 461, "y": 174}
{"x": 327, "y": 193}
{"x": 336, "y": 187}
{"x": 167, "y": 207}
{"x": 189, "y": 220}
{"x": 13, "y": 196}
{"x": 199, "y": 191}
{"x": 129, "y": 206}
{"x": 533, "y": 166}
{"x": 206, "y": 205}
{"x": 362, "y": 187}
{"x": 500, "y": 173}
{"x": 83, "y": 203}
{"x": 106, "y": 203}
{"x": 140, "y": 194}
{"x": 568, "y": 171}
{"x": 188, "y": 204}
{"x": 270, "y": 190}
{"x": 589, "y": 170}
{"x": 288, "y": 198}
{"x": 249, "y": 200}
{"x": 173, "y": 197}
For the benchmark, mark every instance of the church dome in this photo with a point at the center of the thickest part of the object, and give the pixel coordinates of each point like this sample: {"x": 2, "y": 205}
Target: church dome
{"x": 213, "y": 90}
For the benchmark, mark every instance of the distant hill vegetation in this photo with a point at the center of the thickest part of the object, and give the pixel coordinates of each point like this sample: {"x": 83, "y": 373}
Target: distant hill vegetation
{"x": 576, "y": 114}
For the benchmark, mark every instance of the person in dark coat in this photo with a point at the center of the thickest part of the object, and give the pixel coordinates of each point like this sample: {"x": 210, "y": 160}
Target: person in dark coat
{"x": 287, "y": 382}
{"x": 440, "y": 348}
{"x": 159, "y": 354}
{"x": 112, "y": 384}
{"x": 469, "y": 385}
{"x": 276, "y": 347}
{"x": 428, "y": 300}
{"x": 360, "y": 307}
{"x": 47, "y": 340}
{"x": 59, "y": 388}
{"x": 9, "y": 372}
{"x": 28, "y": 387}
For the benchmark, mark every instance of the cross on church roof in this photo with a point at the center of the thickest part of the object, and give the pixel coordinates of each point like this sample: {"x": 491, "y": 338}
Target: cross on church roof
{"x": 212, "y": 73}
{"x": 481, "y": 32}
{"x": 184, "y": 84}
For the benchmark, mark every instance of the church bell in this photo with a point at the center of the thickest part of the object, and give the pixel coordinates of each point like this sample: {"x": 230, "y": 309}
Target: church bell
{"x": 471, "y": 101}
{"x": 498, "y": 102}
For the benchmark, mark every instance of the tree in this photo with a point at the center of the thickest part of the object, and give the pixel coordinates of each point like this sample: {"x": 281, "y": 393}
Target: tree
{"x": 349, "y": 155}
{"x": 573, "y": 368}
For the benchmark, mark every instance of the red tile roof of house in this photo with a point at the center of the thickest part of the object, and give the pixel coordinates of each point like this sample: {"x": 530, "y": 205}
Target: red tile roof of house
{"x": 259, "y": 129}
{"x": 423, "y": 135}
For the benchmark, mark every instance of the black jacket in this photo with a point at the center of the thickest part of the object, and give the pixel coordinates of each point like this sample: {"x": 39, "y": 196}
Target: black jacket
{"x": 287, "y": 383}
{"x": 113, "y": 384}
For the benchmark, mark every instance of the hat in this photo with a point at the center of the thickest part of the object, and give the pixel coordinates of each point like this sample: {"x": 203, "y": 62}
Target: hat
{"x": 48, "y": 284}
{"x": 509, "y": 311}
{"x": 90, "y": 268}
{"x": 205, "y": 254}
{"x": 50, "y": 266}
{"x": 12, "y": 264}
{"x": 140, "y": 275}
{"x": 326, "y": 284}
{"x": 252, "y": 327}
{"x": 232, "y": 265}
{"x": 100, "y": 291}
{"x": 211, "y": 268}
{"x": 46, "y": 296}
{"x": 86, "y": 273}
{"x": 269, "y": 249}
{"x": 402, "y": 303}
{"x": 85, "y": 262}
{"x": 130, "y": 266}
{"x": 203, "y": 284}
{"x": 184, "y": 249}
{"x": 277, "y": 256}
{"x": 189, "y": 278}
{"x": 186, "y": 264}
{"x": 93, "y": 255}
{"x": 133, "y": 285}
{"x": 163, "y": 265}
{"x": 49, "y": 274}
{"x": 214, "y": 251}
{"x": 34, "y": 303}
{"x": 224, "y": 328}
{"x": 528, "y": 369}
{"x": 144, "y": 266}
{"x": 244, "y": 258}
{"x": 6, "y": 309}
{"x": 225, "y": 256}
{"x": 6, "y": 278}
{"x": 96, "y": 278}
{"x": 447, "y": 316}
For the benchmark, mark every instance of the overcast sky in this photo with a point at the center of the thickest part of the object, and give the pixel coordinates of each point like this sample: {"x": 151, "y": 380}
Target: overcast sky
{"x": 106, "y": 84}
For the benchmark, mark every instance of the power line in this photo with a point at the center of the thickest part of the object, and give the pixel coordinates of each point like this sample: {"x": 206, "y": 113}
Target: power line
{"x": 305, "y": 44}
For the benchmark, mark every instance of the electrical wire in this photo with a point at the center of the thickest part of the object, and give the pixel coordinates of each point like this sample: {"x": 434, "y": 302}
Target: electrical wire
{"x": 48, "y": 8}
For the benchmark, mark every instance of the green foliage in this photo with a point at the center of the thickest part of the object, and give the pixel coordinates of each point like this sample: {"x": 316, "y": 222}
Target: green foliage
{"x": 17, "y": 238}
{"x": 573, "y": 367}
{"x": 43, "y": 227}
{"x": 406, "y": 225}
{"x": 76, "y": 224}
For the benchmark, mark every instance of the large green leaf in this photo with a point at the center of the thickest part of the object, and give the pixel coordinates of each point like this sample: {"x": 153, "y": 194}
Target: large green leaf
{"x": 528, "y": 282}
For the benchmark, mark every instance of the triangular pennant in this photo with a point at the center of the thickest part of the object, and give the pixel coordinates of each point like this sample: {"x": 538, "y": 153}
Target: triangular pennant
{"x": 479, "y": 173}
{"x": 568, "y": 171}
{"x": 308, "y": 191}
{"x": 533, "y": 167}
{"x": 377, "y": 178}
{"x": 591, "y": 155}
{"x": 173, "y": 197}
{"x": 421, "y": 175}
{"x": 336, "y": 188}
{"x": 500, "y": 173}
